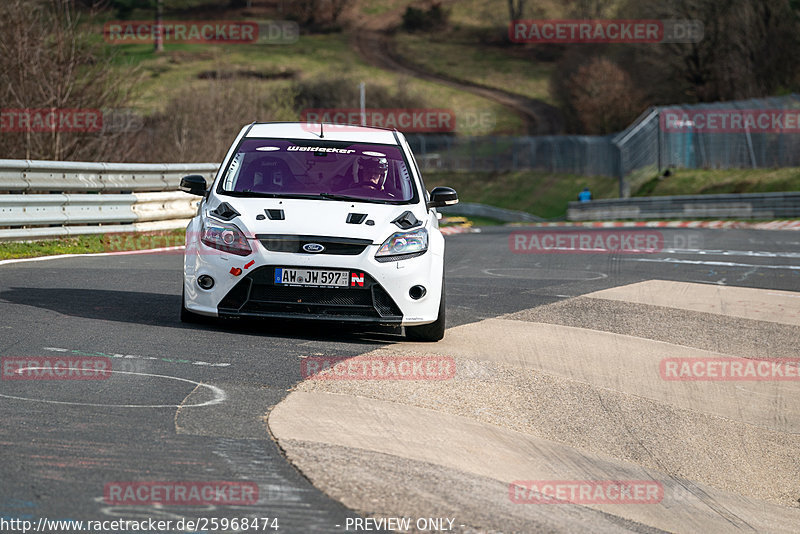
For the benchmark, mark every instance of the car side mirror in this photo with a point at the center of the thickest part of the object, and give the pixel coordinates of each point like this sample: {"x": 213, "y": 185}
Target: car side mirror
{"x": 443, "y": 196}
{"x": 194, "y": 184}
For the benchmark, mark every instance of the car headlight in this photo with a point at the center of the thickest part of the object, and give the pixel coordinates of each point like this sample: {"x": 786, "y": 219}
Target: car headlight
{"x": 225, "y": 237}
{"x": 403, "y": 245}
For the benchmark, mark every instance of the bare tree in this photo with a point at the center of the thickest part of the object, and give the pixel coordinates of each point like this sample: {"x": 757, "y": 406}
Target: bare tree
{"x": 515, "y": 9}
{"x": 159, "y": 37}
{"x": 337, "y": 6}
{"x": 317, "y": 13}
{"x": 750, "y": 48}
{"x": 199, "y": 126}
{"x": 589, "y": 9}
{"x": 49, "y": 60}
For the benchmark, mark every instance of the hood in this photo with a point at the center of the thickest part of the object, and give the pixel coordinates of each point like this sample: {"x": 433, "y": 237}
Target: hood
{"x": 319, "y": 217}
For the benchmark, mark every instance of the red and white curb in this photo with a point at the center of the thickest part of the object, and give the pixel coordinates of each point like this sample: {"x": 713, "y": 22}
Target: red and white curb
{"x": 450, "y": 230}
{"x": 768, "y": 225}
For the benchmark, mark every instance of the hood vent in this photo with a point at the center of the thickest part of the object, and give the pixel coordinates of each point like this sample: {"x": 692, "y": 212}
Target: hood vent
{"x": 356, "y": 218}
{"x": 275, "y": 215}
{"x": 225, "y": 211}
{"x": 406, "y": 221}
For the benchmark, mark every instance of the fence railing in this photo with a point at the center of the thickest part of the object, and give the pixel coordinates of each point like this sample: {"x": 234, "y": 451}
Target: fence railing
{"x": 47, "y": 199}
{"x": 738, "y": 206}
{"x": 571, "y": 154}
{"x": 757, "y": 133}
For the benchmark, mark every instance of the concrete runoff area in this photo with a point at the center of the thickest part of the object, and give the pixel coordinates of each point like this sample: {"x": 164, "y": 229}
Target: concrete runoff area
{"x": 532, "y": 400}
{"x": 749, "y": 303}
{"x": 489, "y": 451}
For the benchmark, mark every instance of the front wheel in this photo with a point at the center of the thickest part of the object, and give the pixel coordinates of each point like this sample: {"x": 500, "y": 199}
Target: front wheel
{"x": 429, "y": 332}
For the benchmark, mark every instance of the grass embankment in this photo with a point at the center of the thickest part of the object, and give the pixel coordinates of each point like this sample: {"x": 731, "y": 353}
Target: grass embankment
{"x": 89, "y": 244}
{"x": 708, "y": 182}
{"x": 541, "y": 193}
{"x": 546, "y": 194}
{"x": 459, "y": 57}
{"x": 318, "y": 56}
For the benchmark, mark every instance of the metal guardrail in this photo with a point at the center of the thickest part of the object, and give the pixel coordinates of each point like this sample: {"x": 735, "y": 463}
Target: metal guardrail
{"x": 65, "y": 176}
{"x": 490, "y": 212}
{"x": 729, "y": 206}
{"x": 54, "y": 198}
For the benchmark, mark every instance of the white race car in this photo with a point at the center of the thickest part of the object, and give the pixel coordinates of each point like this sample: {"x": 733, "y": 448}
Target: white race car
{"x": 322, "y": 222}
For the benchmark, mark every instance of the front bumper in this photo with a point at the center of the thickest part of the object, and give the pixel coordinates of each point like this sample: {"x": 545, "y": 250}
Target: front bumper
{"x": 257, "y": 295}
{"x": 384, "y": 298}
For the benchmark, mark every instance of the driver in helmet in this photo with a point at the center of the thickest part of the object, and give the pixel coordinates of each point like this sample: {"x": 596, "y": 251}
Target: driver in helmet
{"x": 372, "y": 172}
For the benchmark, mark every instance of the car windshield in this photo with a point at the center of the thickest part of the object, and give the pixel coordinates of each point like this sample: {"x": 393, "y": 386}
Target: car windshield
{"x": 326, "y": 169}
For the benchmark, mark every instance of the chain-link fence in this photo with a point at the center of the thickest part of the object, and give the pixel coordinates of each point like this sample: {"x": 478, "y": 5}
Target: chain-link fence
{"x": 574, "y": 154}
{"x": 757, "y": 133}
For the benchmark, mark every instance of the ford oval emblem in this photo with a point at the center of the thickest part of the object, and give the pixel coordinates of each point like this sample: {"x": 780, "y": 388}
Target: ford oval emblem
{"x": 313, "y": 247}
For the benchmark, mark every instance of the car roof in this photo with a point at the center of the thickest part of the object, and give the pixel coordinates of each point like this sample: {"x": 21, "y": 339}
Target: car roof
{"x": 330, "y": 132}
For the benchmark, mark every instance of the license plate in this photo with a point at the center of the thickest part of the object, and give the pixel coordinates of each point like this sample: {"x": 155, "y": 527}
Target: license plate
{"x": 311, "y": 277}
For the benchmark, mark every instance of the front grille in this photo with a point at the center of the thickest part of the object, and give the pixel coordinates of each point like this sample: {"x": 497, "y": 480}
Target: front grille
{"x": 257, "y": 295}
{"x": 294, "y": 243}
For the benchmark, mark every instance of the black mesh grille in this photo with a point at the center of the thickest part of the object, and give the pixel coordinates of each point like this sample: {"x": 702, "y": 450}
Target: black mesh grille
{"x": 383, "y": 302}
{"x": 311, "y": 295}
{"x": 257, "y": 294}
{"x": 333, "y": 245}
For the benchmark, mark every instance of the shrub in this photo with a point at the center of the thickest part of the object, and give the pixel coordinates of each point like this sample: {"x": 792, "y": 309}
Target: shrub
{"x": 198, "y": 126}
{"x": 417, "y": 19}
{"x": 603, "y": 97}
{"x": 342, "y": 92}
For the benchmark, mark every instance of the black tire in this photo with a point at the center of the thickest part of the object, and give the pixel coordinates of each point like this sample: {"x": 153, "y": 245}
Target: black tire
{"x": 429, "y": 332}
{"x": 188, "y": 316}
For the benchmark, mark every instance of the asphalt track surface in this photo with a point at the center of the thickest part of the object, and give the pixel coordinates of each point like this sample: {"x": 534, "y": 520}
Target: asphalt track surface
{"x": 156, "y": 418}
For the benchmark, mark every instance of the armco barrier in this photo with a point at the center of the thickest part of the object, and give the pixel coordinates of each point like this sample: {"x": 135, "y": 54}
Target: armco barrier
{"x": 55, "y": 198}
{"x": 482, "y": 210}
{"x": 731, "y": 206}
{"x": 64, "y": 176}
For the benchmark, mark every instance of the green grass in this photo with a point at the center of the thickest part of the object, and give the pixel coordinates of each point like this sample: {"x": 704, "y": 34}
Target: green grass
{"x": 461, "y": 58}
{"x": 312, "y": 56}
{"x": 705, "y": 182}
{"x": 546, "y": 194}
{"x": 541, "y": 193}
{"x": 89, "y": 244}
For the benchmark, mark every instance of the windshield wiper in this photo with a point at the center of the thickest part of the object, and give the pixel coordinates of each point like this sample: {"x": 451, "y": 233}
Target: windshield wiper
{"x": 255, "y": 194}
{"x": 333, "y": 196}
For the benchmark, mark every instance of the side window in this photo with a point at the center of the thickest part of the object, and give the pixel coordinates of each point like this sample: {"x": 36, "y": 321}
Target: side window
{"x": 406, "y": 187}
{"x": 416, "y": 167}
{"x": 233, "y": 172}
